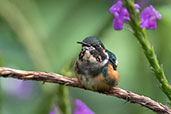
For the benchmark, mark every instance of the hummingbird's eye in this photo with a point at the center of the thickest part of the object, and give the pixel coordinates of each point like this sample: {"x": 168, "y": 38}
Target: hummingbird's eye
{"x": 99, "y": 46}
{"x": 96, "y": 46}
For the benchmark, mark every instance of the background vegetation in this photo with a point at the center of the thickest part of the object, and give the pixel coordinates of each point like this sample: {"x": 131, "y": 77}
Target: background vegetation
{"x": 41, "y": 35}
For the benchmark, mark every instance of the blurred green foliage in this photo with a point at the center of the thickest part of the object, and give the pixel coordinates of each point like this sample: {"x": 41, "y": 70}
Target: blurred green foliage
{"x": 41, "y": 35}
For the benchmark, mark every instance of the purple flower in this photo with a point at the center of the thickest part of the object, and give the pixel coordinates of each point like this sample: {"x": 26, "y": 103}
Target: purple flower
{"x": 54, "y": 110}
{"x": 81, "y": 108}
{"x": 149, "y": 17}
{"x": 18, "y": 88}
{"x": 121, "y": 15}
{"x": 137, "y": 6}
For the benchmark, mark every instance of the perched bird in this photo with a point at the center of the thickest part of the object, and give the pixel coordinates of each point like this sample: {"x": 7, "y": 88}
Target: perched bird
{"x": 96, "y": 66}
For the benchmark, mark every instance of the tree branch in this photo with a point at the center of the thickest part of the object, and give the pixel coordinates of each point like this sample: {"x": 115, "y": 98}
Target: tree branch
{"x": 56, "y": 78}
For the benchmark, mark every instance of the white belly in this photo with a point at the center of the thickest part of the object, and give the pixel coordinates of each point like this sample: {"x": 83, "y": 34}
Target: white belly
{"x": 87, "y": 81}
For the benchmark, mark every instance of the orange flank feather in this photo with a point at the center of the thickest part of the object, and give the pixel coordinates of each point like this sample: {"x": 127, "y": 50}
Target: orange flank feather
{"x": 112, "y": 75}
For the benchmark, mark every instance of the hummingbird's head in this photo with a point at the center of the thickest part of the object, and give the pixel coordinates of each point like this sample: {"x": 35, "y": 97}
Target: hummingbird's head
{"x": 93, "y": 51}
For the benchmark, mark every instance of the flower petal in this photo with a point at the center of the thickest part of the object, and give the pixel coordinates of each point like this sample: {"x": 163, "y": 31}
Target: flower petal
{"x": 137, "y": 6}
{"x": 121, "y": 15}
{"x": 149, "y": 17}
{"x": 116, "y": 7}
{"x": 81, "y": 108}
{"x": 118, "y": 24}
{"x": 54, "y": 110}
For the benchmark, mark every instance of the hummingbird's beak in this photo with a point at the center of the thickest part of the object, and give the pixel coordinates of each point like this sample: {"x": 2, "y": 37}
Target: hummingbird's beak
{"x": 84, "y": 44}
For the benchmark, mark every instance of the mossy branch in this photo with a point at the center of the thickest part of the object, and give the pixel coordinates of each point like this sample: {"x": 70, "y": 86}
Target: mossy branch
{"x": 73, "y": 82}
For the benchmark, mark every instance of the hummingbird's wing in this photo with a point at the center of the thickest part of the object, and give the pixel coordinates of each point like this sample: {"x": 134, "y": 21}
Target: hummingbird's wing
{"x": 112, "y": 59}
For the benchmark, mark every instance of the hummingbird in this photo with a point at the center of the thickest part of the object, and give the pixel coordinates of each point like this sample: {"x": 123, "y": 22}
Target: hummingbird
{"x": 96, "y": 66}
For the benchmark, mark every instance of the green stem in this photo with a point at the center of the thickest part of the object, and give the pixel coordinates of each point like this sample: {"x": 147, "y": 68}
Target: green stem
{"x": 149, "y": 52}
{"x": 64, "y": 99}
{"x": 63, "y": 92}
